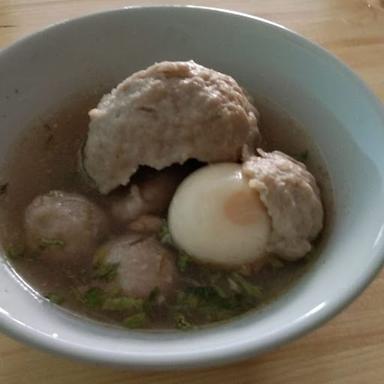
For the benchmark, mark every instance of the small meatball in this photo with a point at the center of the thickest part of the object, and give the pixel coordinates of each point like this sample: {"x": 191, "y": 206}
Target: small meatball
{"x": 167, "y": 114}
{"x": 292, "y": 198}
{"x": 143, "y": 265}
{"x": 64, "y": 227}
{"x": 129, "y": 207}
{"x": 151, "y": 194}
{"x": 146, "y": 223}
{"x": 216, "y": 218}
{"x": 157, "y": 188}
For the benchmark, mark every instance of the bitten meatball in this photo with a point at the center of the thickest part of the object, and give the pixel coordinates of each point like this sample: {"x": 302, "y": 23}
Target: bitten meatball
{"x": 143, "y": 264}
{"x": 62, "y": 226}
{"x": 292, "y": 199}
{"x": 167, "y": 114}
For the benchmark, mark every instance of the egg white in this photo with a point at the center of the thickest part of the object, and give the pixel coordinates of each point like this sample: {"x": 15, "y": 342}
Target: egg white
{"x": 216, "y": 218}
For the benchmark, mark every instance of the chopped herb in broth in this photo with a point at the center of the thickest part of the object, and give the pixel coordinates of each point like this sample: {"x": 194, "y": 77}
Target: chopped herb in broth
{"x": 15, "y": 251}
{"x": 138, "y": 320}
{"x": 105, "y": 271}
{"x": 183, "y": 261}
{"x": 94, "y": 297}
{"x": 45, "y": 243}
{"x": 55, "y": 298}
{"x": 182, "y": 322}
{"x": 164, "y": 235}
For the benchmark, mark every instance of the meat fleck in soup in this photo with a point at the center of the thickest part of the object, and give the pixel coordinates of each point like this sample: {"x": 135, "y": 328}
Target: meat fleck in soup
{"x": 163, "y": 211}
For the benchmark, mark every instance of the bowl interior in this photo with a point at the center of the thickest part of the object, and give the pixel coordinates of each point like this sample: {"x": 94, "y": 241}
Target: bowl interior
{"x": 346, "y": 121}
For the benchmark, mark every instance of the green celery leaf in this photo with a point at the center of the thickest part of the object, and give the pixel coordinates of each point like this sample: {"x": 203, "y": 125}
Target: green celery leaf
{"x": 105, "y": 271}
{"x": 122, "y": 304}
{"x": 55, "y": 298}
{"x": 45, "y": 243}
{"x": 137, "y": 320}
{"x": 94, "y": 297}
{"x": 183, "y": 261}
{"x": 248, "y": 288}
{"x": 15, "y": 251}
{"x": 182, "y": 322}
{"x": 165, "y": 235}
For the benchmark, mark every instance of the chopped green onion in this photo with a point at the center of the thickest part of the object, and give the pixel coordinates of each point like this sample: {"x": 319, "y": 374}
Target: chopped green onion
{"x": 100, "y": 255}
{"x": 94, "y": 297}
{"x": 135, "y": 321}
{"x": 152, "y": 300}
{"x": 15, "y": 251}
{"x": 165, "y": 235}
{"x": 55, "y": 298}
{"x": 248, "y": 288}
{"x": 183, "y": 261}
{"x": 187, "y": 300}
{"x": 45, "y": 243}
{"x": 204, "y": 292}
{"x": 233, "y": 286}
{"x": 182, "y": 322}
{"x": 105, "y": 271}
{"x": 122, "y": 304}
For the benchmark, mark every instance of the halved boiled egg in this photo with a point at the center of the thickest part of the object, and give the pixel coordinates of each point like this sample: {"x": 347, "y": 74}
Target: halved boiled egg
{"x": 216, "y": 218}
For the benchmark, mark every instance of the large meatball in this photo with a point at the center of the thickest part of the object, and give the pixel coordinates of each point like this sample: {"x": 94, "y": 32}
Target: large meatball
{"x": 143, "y": 264}
{"x": 292, "y": 199}
{"x": 63, "y": 226}
{"x": 166, "y": 114}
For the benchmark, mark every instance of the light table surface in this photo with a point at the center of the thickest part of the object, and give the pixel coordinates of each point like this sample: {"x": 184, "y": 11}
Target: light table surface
{"x": 347, "y": 350}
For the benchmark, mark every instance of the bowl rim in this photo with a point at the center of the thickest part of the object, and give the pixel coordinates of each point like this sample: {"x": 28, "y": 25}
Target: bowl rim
{"x": 241, "y": 350}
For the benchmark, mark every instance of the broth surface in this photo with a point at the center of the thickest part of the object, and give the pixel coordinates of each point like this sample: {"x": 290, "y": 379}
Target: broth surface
{"x": 47, "y": 157}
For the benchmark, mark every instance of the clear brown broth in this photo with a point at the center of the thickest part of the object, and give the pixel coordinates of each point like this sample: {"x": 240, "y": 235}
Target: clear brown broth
{"x": 46, "y": 158}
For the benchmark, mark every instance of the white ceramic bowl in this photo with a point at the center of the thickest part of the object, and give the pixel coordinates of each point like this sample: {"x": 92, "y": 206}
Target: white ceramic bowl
{"x": 340, "y": 113}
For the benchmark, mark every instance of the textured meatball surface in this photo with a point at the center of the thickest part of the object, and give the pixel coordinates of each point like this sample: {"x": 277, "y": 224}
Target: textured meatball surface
{"x": 167, "y": 114}
{"x": 143, "y": 264}
{"x": 62, "y": 226}
{"x": 292, "y": 198}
